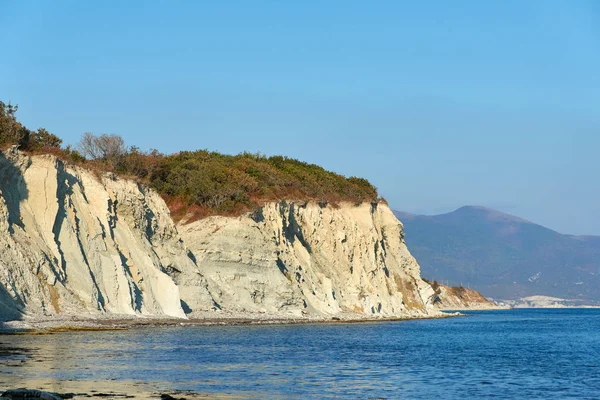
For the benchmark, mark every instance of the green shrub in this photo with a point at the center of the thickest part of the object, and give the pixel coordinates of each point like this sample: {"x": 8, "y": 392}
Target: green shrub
{"x": 210, "y": 181}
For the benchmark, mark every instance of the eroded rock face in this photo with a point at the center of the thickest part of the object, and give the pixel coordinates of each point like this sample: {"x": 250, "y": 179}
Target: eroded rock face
{"x": 306, "y": 258}
{"x": 460, "y": 298}
{"x": 74, "y": 242}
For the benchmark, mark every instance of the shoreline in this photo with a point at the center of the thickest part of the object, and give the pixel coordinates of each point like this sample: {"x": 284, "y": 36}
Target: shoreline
{"x": 35, "y": 326}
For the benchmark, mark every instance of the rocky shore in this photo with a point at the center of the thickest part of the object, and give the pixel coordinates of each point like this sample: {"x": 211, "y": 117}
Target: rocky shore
{"x": 88, "y": 389}
{"x": 464, "y": 299}
{"x": 68, "y": 323}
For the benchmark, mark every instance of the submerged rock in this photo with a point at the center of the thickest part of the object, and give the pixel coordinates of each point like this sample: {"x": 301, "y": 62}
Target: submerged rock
{"x": 20, "y": 394}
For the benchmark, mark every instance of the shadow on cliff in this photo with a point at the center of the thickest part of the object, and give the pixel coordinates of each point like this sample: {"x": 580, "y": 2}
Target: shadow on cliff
{"x": 13, "y": 191}
{"x": 9, "y": 308}
{"x": 13, "y": 188}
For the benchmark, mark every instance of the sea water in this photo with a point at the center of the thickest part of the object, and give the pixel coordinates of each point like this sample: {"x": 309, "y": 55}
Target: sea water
{"x": 535, "y": 353}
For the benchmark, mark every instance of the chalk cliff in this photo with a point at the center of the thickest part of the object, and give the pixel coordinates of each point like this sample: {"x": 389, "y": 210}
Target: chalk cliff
{"x": 297, "y": 257}
{"x": 73, "y": 242}
{"x": 78, "y": 243}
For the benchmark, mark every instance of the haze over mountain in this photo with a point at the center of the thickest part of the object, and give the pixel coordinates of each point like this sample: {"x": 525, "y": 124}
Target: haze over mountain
{"x": 503, "y": 256}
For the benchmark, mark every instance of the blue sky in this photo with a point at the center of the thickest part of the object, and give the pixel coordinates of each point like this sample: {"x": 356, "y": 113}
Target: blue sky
{"x": 440, "y": 104}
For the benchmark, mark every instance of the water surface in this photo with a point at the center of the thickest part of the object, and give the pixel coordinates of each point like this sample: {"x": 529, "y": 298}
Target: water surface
{"x": 502, "y": 354}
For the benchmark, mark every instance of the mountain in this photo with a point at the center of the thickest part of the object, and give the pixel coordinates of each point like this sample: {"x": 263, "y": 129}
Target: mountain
{"x": 503, "y": 256}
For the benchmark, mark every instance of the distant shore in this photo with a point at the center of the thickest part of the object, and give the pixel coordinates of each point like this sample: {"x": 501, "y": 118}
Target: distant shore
{"x": 476, "y": 308}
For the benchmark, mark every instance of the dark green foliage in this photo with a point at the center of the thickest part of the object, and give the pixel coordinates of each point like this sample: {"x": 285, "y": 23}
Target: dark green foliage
{"x": 222, "y": 182}
{"x": 42, "y": 138}
{"x": 72, "y": 155}
{"x": 12, "y": 132}
{"x": 209, "y": 181}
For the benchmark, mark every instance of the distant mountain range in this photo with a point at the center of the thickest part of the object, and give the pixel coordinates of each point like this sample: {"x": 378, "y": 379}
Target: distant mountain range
{"x": 503, "y": 256}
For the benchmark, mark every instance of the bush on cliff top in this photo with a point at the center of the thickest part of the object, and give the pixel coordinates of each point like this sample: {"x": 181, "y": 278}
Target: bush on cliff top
{"x": 13, "y": 132}
{"x": 198, "y": 182}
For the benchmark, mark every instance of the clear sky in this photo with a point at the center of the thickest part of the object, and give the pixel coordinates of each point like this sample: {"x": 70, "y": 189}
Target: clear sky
{"x": 438, "y": 103}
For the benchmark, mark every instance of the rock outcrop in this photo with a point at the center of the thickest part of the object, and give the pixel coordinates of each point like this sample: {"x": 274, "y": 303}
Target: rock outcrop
{"x": 78, "y": 243}
{"x": 21, "y": 394}
{"x": 74, "y": 242}
{"x": 461, "y": 298}
{"x": 299, "y": 258}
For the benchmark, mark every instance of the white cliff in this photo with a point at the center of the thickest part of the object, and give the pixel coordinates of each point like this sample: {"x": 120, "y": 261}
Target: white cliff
{"x": 306, "y": 258}
{"x": 78, "y": 243}
{"x": 73, "y": 242}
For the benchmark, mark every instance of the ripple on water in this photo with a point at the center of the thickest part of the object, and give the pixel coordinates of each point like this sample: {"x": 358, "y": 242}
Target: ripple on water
{"x": 504, "y": 354}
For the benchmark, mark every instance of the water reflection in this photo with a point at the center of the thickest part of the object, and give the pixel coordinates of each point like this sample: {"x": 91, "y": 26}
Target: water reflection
{"x": 518, "y": 354}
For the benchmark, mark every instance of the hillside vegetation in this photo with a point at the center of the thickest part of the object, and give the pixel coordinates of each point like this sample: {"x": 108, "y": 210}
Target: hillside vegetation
{"x": 199, "y": 182}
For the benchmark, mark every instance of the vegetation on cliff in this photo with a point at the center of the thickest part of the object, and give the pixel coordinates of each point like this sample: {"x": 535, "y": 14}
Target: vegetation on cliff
{"x": 198, "y": 182}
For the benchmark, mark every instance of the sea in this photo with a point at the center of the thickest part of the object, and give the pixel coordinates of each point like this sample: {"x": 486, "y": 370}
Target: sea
{"x": 503, "y": 354}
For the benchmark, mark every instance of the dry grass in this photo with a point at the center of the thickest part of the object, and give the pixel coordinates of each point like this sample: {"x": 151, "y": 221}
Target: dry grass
{"x": 53, "y": 297}
{"x": 358, "y": 309}
{"x": 408, "y": 290}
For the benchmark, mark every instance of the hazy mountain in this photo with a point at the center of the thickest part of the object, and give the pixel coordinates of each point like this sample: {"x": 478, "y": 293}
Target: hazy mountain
{"x": 503, "y": 256}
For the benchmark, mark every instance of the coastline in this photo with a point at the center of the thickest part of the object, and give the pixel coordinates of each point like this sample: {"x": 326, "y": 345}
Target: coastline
{"x": 476, "y": 308}
{"x": 284, "y": 362}
{"x": 33, "y": 325}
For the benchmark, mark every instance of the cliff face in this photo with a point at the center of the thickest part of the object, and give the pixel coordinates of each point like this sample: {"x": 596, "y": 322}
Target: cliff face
{"x": 77, "y": 243}
{"x": 306, "y": 258}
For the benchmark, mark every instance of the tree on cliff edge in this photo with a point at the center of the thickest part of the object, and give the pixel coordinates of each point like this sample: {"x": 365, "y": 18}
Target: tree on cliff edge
{"x": 106, "y": 147}
{"x": 13, "y": 132}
